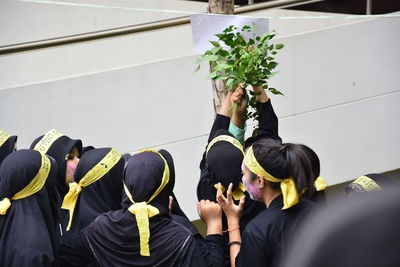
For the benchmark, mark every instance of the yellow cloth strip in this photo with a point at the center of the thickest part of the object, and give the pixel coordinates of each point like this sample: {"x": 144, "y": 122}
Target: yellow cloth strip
{"x": 367, "y": 183}
{"x": 33, "y": 187}
{"x": 3, "y": 137}
{"x": 225, "y": 138}
{"x": 288, "y": 187}
{"x": 143, "y": 210}
{"x": 98, "y": 171}
{"x": 320, "y": 184}
{"x": 237, "y": 193}
{"x": 47, "y": 140}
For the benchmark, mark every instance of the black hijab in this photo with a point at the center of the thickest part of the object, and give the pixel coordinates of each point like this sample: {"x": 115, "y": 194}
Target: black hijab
{"x": 177, "y": 213}
{"x": 224, "y": 161}
{"x": 99, "y": 197}
{"x": 59, "y": 150}
{"x": 176, "y": 209}
{"x": 114, "y": 236}
{"x": 8, "y": 145}
{"x": 27, "y": 229}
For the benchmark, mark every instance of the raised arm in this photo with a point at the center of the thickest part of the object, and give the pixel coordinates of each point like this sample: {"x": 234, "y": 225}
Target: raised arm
{"x": 233, "y": 213}
{"x": 223, "y": 117}
{"x": 268, "y": 121}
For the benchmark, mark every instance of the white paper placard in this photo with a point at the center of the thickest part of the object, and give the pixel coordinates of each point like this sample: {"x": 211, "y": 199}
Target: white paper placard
{"x": 205, "y": 26}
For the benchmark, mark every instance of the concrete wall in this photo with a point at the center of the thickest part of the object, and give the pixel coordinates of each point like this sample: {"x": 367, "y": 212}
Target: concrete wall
{"x": 340, "y": 81}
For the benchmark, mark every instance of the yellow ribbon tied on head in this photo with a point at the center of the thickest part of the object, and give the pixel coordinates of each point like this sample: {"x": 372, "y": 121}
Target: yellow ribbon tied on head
{"x": 225, "y": 138}
{"x": 143, "y": 210}
{"x": 237, "y": 193}
{"x": 47, "y": 140}
{"x": 367, "y": 183}
{"x": 320, "y": 184}
{"x": 98, "y": 171}
{"x": 288, "y": 187}
{"x": 33, "y": 187}
{"x": 3, "y": 137}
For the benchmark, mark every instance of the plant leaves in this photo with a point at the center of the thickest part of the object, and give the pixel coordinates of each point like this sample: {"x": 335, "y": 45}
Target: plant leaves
{"x": 215, "y": 43}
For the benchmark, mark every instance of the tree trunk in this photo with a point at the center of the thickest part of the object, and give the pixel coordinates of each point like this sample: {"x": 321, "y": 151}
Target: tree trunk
{"x": 219, "y": 7}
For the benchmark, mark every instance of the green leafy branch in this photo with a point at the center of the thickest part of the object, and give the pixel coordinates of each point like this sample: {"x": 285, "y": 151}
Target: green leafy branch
{"x": 235, "y": 60}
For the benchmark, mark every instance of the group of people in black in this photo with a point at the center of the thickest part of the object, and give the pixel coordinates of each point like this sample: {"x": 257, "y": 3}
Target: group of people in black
{"x": 62, "y": 204}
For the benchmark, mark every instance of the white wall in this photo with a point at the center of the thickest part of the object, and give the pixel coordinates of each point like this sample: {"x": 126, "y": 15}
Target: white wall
{"x": 341, "y": 84}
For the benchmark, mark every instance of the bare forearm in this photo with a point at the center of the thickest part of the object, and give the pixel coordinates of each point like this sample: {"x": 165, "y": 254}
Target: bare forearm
{"x": 214, "y": 227}
{"x": 238, "y": 119}
{"x": 226, "y": 105}
{"x": 234, "y": 236}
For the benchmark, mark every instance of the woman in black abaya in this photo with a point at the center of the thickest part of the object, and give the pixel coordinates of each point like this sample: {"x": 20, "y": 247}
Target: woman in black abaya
{"x": 176, "y": 212}
{"x": 65, "y": 151}
{"x": 99, "y": 175}
{"x": 142, "y": 233}
{"x": 7, "y": 144}
{"x": 27, "y": 226}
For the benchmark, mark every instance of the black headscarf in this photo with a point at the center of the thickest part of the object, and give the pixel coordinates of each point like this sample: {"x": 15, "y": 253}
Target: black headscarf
{"x": 176, "y": 209}
{"x": 114, "y": 236}
{"x": 177, "y": 213}
{"x": 224, "y": 161}
{"x": 27, "y": 230}
{"x": 59, "y": 151}
{"x": 7, "y": 147}
{"x": 99, "y": 197}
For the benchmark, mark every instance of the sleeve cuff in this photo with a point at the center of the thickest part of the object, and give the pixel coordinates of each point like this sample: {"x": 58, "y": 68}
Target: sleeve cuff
{"x": 237, "y": 132}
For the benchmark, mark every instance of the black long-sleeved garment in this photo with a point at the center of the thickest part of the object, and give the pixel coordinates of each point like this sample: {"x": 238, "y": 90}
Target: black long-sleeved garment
{"x": 206, "y": 185}
{"x": 197, "y": 252}
{"x": 265, "y": 237}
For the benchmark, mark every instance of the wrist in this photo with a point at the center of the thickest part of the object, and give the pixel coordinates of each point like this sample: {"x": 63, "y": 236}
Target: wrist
{"x": 214, "y": 227}
{"x": 233, "y": 222}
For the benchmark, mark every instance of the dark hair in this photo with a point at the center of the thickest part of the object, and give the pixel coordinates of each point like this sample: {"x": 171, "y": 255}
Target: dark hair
{"x": 286, "y": 160}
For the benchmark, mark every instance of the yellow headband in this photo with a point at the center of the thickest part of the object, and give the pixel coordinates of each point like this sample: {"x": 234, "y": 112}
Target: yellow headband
{"x": 237, "y": 193}
{"x": 98, "y": 171}
{"x": 143, "y": 211}
{"x": 34, "y": 186}
{"x": 320, "y": 184}
{"x": 225, "y": 138}
{"x": 288, "y": 187}
{"x": 3, "y": 137}
{"x": 47, "y": 140}
{"x": 367, "y": 183}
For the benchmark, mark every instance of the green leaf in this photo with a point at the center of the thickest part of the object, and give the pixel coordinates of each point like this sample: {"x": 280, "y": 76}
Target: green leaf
{"x": 274, "y": 52}
{"x": 222, "y": 67}
{"x": 223, "y": 53}
{"x": 215, "y": 43}
{"x": 274, "y": 91}
{"x": 273, "y": 64}
{"x": 212, "y": 75}
{"x": 230, "y": 83}
{"x": 208, "y": 58}
{"x": 272, "y": 74}
{"x": 197, "y": 68}
{"x": 279, "y": 46}
{"x": 221, "y": 77}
